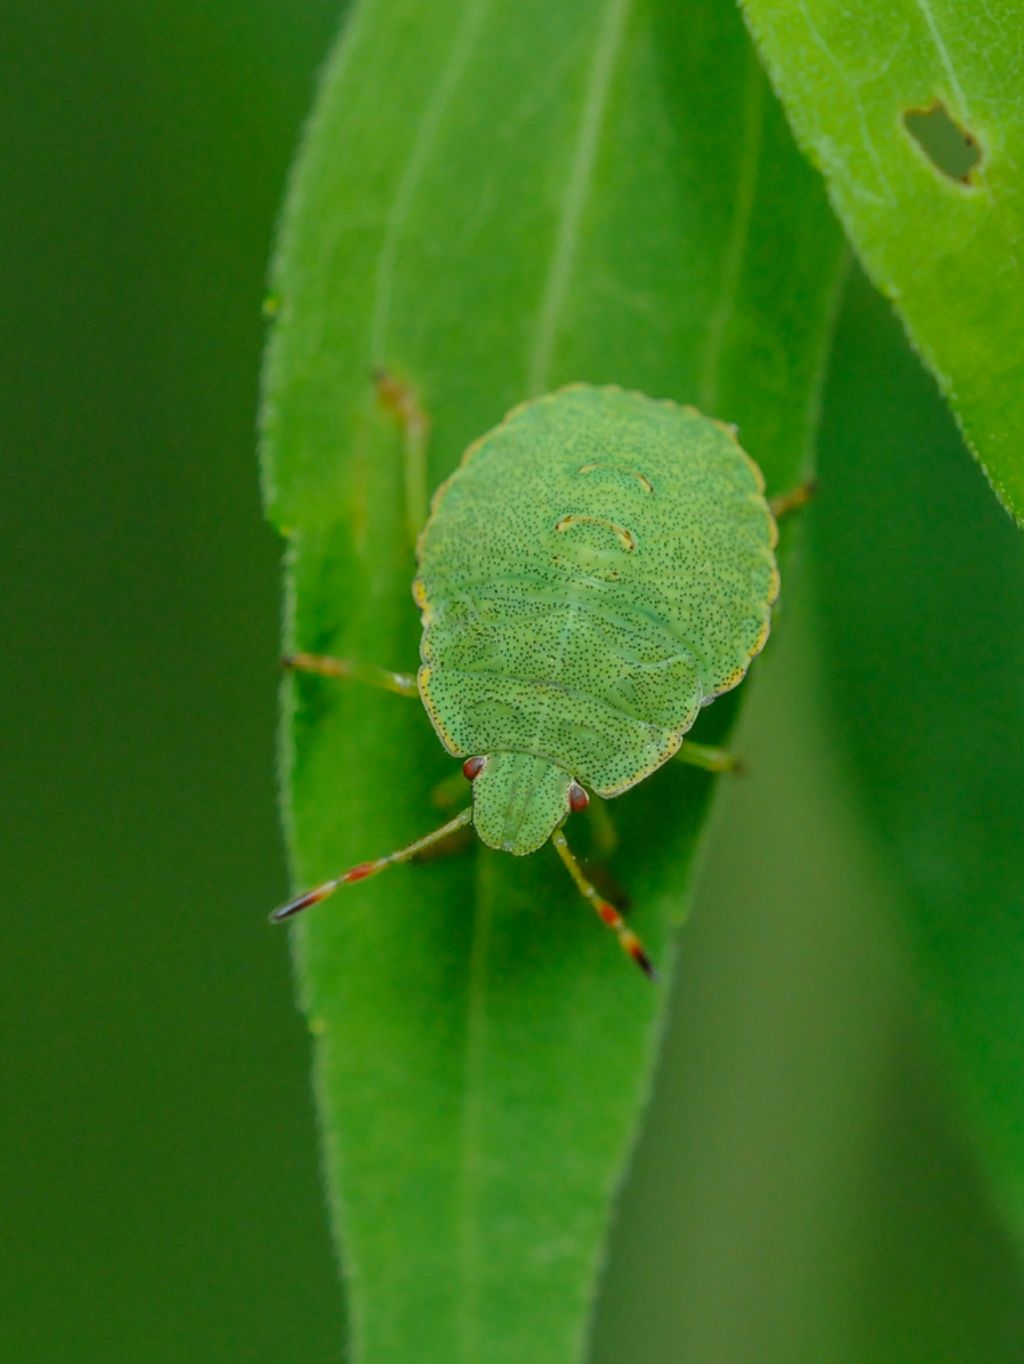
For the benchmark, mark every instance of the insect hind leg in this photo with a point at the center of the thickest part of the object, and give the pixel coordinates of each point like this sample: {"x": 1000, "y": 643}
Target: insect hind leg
{"x": 709, "y": 758}
{"x": 782, "y": 504}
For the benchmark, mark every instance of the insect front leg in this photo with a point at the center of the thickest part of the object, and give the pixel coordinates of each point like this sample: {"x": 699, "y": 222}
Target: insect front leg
{"x": 404, "y": 684}
{"x": 604, "y": 909}
{"x": 364, "y": 869}
{"x": 784, "y": 503}
{"x": 401, "y": 401}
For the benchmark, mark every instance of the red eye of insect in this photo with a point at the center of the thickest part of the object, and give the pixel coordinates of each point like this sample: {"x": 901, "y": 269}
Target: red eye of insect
{"x": 578, "y": 798}
{"x": 472, "y": 768}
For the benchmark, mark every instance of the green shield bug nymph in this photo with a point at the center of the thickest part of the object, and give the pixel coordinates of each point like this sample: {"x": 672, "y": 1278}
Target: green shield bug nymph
{"x": 599, "y": 567}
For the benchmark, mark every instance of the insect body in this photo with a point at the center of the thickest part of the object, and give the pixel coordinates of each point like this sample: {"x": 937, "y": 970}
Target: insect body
{"x": 599, "y": 567}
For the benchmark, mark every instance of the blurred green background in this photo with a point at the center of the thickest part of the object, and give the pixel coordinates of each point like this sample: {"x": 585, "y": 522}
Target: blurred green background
{"x": 804, "y": 1189}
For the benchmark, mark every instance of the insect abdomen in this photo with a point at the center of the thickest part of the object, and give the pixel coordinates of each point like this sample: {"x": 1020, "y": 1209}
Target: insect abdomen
{"x": 599, "y": 566}
{"x": 600, "y": 696}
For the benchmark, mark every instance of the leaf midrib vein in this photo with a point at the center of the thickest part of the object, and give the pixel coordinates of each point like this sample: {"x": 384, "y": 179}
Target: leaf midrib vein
{"x": 556, "y": 286}
{"x": 749, "y": 165}
{"x": 538, "y": 371}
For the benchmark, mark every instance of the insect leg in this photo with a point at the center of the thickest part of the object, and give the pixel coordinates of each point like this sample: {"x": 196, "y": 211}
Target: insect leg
{"x": 784, "y": 503}
{"x": 449, "y": 790}
{"x": 364, "y": 869}
{"x": 708, "y": 759}
{"x": 608, "y": 914}
{"x": 401, "y": 401}
{"x": 402, "y": 683}
{"x": 606, "y": 836}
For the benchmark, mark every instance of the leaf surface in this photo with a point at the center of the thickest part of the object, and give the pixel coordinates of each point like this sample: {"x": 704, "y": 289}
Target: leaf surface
{"x": 493, "y": 199}
{"x": 869, "y": 88}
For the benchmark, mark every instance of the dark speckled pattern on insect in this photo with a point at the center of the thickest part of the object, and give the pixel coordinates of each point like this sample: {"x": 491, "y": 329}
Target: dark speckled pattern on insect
{"x": 599, "y": 567}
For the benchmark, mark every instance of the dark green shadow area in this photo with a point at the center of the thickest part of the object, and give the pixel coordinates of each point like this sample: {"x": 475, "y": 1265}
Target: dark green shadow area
{"x": 161, "y": 1191}
{"x": 921, "y": 579}
{"x": 805, "y": 1188}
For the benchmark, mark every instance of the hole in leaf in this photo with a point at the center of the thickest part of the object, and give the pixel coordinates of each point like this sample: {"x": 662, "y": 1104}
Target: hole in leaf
{"x": 951, "y": 149}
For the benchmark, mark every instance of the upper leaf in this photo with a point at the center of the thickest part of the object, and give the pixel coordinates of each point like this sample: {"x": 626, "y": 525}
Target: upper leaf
{"x": 912, "y": 111}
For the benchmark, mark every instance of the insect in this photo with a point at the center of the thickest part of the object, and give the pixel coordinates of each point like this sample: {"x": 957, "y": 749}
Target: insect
{"x": 599, "y": 567}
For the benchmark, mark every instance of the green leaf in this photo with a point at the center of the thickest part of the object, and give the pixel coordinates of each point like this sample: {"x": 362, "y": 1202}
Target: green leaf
{"x": 921, "y": 581}
{"x": 493, "y": 199}
{"x": 893, "y": 100}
